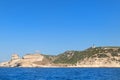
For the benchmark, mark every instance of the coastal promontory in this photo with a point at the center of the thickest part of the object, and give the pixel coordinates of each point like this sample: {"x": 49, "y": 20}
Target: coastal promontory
{"x": 91, "y": 57}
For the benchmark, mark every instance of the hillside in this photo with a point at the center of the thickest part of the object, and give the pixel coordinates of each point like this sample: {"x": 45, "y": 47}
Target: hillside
{"x": 72, "y": 57}
{"x": 91, "y": 57}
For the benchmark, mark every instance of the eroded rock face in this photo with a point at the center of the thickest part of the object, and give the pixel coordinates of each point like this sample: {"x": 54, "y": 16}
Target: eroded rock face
{"x": 97, "y": 61}
{"x": 4, "y": 64}
{"x": 13, "y": 62}
{"x": 30, "y": 60}
{"x": 15, "y": 57}
{"x": 32, "y": 57}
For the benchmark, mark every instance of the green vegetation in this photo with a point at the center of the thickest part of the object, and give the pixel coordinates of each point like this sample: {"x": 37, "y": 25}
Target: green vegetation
{"x": 71, "y": 57}
{"x": 102, "y": 56}
{"x": 111, "y": 47}
{"x": 114, "y": 54}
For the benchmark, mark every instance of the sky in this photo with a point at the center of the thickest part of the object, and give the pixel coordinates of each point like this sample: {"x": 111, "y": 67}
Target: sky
{"x": 54, "y": 26}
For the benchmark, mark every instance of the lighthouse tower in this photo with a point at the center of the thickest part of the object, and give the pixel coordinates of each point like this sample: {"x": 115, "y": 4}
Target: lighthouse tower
{"x": 93, "y": 46}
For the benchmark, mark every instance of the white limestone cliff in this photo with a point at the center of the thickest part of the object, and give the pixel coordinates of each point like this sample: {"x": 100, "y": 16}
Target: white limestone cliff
{"x": 27, "y": 61}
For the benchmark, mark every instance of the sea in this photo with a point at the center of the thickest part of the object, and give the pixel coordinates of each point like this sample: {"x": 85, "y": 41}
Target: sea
{"x": 59, "y": 73}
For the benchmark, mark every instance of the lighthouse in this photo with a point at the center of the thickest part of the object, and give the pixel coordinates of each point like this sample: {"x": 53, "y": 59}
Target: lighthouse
{"x": 93, "y": 46}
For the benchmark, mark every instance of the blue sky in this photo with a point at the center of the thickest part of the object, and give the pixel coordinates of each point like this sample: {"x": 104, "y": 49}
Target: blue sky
{"x": 54, "y": 26}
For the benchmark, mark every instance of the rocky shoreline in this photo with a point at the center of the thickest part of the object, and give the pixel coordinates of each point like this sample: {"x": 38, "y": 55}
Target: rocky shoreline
{"x": 93, "y": 57}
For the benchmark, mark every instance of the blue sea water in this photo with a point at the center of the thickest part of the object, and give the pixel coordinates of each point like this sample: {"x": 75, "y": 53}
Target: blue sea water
{"x": 59, "y": 73}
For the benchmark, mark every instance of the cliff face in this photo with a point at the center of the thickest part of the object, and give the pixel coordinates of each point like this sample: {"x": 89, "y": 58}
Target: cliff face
{"x": 107, "y": 61}
{"x": 92, "y": 57}
{"x": 30, "y": 60}
{"x": 12, "y": 63}
{"x": 107, "y": 57}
